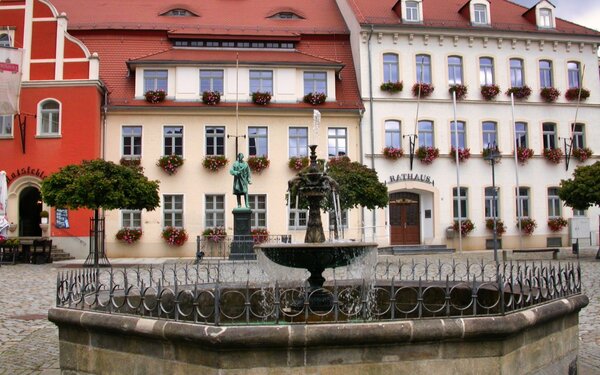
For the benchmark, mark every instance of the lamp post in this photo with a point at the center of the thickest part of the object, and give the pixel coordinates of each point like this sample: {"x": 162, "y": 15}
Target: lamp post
{"x": 493, "y": 157}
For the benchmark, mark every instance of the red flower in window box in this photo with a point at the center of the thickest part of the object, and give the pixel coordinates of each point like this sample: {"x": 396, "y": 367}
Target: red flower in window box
{"x": 489, "y": 92}
{"x": 556, "y": 224}
{"x": 426, "y": 89}
{"x": 527, "y": 225}
{"x": 170, "y": 163}
{"x": 260, "y": 235}
{"x": 582, "y": 154}
{"x": 522, "y": 92}
{"x": 315, "y": 98}
{"x": 427, "y": 154}
{"x": 155, "y": 96}
{"x": 392, "y": 153}
{"x": 549, "y": 94}
{"x": 129, "y": 235}
{"x": 214, "y": 162}
{"x": 297, "y": 163}
{"x": 500, "y": 227}
{"x": 553, "y": 155}
{"x": 258, "y": 163}
{"x": 215, "y": 235}
{"x": 573, "y": 93}
{"x": 460, "y": 90}
{"x": 174, "y": 236}
{"x": 463, "y": 154}
{"x": 524, "y": 154}
{"x": 261, "y": 98}
{"x": 211, "y": 97}
{"x": 466, "y": 227}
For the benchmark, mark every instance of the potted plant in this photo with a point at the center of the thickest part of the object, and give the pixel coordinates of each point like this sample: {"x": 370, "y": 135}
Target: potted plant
{"x": 258, "y": 163}
{"x": 174, "y": 236}
{"x": 155, "y": 96}
{"x": 392, "y": 153}
{"x": 214, "y": 162}
{"x": 129, "y": 235}
{"x": 553, "y": 155}
{"x": 582, "y": 154}
{"x": 392, "y": 87}
{"x": 298, "y": 163}
{"x": 170, "y": 163}
{"x": 500, "y": 227}
{"x": 214, "y": 235}
{"x": 426, "y": 89}
{"x": 521, "y": 92}
{"x": 459, "y": 89}
{"x": 261, "y": 98}
{"x": 489, "y": 92}
{"x": 315, "y": 98}
{"x": 557, "y": 223}
{"x": 44, "y": 215}
{"x": 130, "y": 162}
{"x": 573, "y": 93}
{"x": 427, "y": 154}
{"x": 524, "y": 154}
{"x": 466, "y": 227}
{"x": 488, "y": 150}
{"x": 527, "y": 225}
{"x": 260, "y": 235}
{"x": 463, "y": 154}
{"x": 549, "y": 94}
{"x": 211, "y": 97}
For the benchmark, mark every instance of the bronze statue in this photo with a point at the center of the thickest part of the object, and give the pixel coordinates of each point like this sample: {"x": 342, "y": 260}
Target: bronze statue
{"x": 241, "y": 179}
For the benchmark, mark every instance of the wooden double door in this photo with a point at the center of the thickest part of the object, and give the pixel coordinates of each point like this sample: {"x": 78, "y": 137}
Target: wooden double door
{"x": 405, "y": 226}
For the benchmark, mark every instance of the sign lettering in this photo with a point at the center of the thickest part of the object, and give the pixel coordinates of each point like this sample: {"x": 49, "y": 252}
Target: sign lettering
{"x": 411, "y": 177}
{"x": 29, "y": 171}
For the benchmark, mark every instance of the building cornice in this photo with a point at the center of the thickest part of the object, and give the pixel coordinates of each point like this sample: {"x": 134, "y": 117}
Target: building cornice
{"x": 63, "y": 83}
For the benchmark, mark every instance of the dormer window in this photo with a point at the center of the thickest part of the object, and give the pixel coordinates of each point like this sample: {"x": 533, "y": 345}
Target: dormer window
{"x": 410, "y": 10}
{"x": 179, "y": 12}
{"x": 542, "y": 14}
{"x": 545, "y": 18}
{"x": 286, "y": 16}
{"x": 479, "y": 12}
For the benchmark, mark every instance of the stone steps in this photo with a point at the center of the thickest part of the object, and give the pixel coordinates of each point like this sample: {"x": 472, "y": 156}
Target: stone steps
{"x": 60, "y": 254}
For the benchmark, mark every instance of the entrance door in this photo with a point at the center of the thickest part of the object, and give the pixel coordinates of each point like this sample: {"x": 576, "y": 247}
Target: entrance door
{"x": 30, "y": 206}
{"x": 404, "y": 219}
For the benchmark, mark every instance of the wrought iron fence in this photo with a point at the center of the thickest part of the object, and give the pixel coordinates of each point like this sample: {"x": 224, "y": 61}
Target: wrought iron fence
{"x": 222, "y": 293}
{"x": 217, "y": 246}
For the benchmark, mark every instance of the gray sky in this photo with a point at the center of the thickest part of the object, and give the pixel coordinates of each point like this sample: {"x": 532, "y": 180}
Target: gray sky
{"x": 582, "y": 12}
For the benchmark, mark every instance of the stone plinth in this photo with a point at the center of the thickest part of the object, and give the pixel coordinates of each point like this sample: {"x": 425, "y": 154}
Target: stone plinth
{"x": 242, "y": 244}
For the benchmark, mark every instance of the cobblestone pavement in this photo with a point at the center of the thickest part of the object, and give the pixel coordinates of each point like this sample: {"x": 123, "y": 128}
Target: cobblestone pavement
{"x": 29, "y": 342}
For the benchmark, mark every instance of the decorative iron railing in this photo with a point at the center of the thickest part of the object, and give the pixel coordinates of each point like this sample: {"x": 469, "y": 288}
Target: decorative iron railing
{"x": 224, "y": 293}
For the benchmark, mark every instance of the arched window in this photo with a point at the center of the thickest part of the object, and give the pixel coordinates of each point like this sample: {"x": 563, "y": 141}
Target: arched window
{"x": 49, "y": 118}
{"x": 424, "y": 69}
{"x": 390, "y": 67}
{"x": 4, "y": 40}
{"x": 455, "y": 72}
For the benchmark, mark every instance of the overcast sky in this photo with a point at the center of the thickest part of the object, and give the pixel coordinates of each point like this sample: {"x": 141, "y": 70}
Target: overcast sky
{"x": 582, "y": 12}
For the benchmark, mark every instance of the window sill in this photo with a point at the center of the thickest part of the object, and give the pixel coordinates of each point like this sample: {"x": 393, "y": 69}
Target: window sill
{"x": 48, "y": 136}
{"x": 7, "y": 137}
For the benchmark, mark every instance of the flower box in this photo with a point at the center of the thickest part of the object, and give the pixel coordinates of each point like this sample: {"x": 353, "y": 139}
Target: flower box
{"x": 500, "y": 227}
{"x": 553, "y": 155}
{"x": 258, "y": 163}
{"x": 527, "y": 225}
{"x": 214, "y": 162}
{"x": 463, "y": 154}
{"x": 427, "y": 154}
{"x": 489, "y": 92}
{"x": 549, "y": 94}
{"x": 426, "y": 89}
{"x": 170, "y": 163}
{"x": 214, "y": 235}
{"x": 466, "y": 227}
{"x": 460, "y": 90}
{"x": 582, "y": 154}
{"x": 392, "y": 153}
{"x": 130, "y": 162}
{"x": 129, "y": 235}
{"x": 174, "y": 236}
{"x": 298, "y": 163}
{"x": 211, "y": 97}
{"x": 524, "y": 154}
{"x": 259, "y": 235}
{"x": 315, "y": 98}
{"x": 522, "y": 92}
{"x": 556, "y": 224}
{"x": 392, "y": 87}
{"x": 336, "y": 160}
{"x": 261, "y": 98}
{"x": 573, "y": 93}
{"x": 486, "y": 152}
{"x": 155, "y": 96}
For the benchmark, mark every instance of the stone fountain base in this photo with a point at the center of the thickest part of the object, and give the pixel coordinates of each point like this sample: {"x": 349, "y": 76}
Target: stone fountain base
{"x": 542, "y": 339}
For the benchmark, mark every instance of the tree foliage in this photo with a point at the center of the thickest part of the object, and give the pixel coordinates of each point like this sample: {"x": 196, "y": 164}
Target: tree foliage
{"x": 583, "y": 190}
{"x": 358, "y": 185}
{"x": 98, "y": 184}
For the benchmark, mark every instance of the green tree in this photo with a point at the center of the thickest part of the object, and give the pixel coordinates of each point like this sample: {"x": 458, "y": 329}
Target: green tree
{"x": 100, "y": 184}
{"x": 358, "y": 185}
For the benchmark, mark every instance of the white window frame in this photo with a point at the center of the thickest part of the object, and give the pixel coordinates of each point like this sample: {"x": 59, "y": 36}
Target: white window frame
{"x": 313, "y": 80}
{"x": 546, "y": 74}
{"x": 486, "y": 71}
{"x": 213, "y": 215}
{"x": 578, "y": 131}
{"x": 521, "y": 134}
{"x": 337, "y": 140}
{"x": 258, "y": 218}
{"x": 129, "y": 218}
{"x": 262, "y": 79}
{"x": 170, "y": 140}
{"x": 464, "y": 201}
{"x": 297, "y": 218}
{"x": 574, "y": 74}
{"x": 393, "y": 133}
{"x": 423, "y": 68}
{"x": 256, "y": 134}
{"x": 549, "y": 135}
{"x": 215, "y": 137}
{"x": 462, "y": 134}
{"x": 489, "y": 136}
{"x": 554, "y": 203}
{"x": 297, "y": 144}
{"x": 391, "y": 72}
{"x": 514, "y": 80}
{"x": 45, "y": 118}
{"x": 412, "y": 11}
{"x": 173, "y": 208}
{"x": 423, "y": 140}
{"x": 9, "y": 39}
{"x": 545, "y": 18}
{"x": 214, "y": 78}
{"x": 132, "y": 136}
{"x": 7, "y": 126}
{"x": 455, "y": 70}
{"x": 155, "y": 83}
{"x": 491, "y": 209}
{"x": 480, "y": 14}
{"x": 523, "y": 201}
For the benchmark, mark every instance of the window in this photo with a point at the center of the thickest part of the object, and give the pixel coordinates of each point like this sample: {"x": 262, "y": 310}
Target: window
{"x": 516, "y": 73}
{"x": 343, "y": 219}
{"x": 392, "y": 134}
{"x": 490, "y": 134}
{"x": 315, "y": 82}
{"x": 579, "y": 213}
{"x": 173, "y": 211}
{"x": 155, "y": 80}
{"x": 523, "y": 202}
{"x": 298, "y": 142}
{"x": 4, "y": 40}
{"x": 545, "y": 18}
{"x": 546, "y": 73}
{"x": 455, "y": 70}
{"x": 179, "y": 12}
{"x": 297, "y": 218}
{"x": 521, "y": 134}
{"x": 491, "y": 203}
{"x": 574, "y": 73}
{"x": 257, "y": 141}
{"x": 286, "y": 15}
{"x": 480, "y": 14}
{"x": 214, "y": 211}
{"x": 412, "y": 11}
{"x": 49, "y": 118}
{"x": 462, "y": 200}
{"x": 261, "y": 81}
{"x": 460, "y": 128}
{"x": 390, "y": 67}
{"x": 173, "y": 138}
{"x": 258, "y": 204}
{"x": 211, "y": 80}
{"x": 132, "y": 141}
{"x": 215, "y": 140}
{"x": 424, "y": 69}
{"x": 549, "y": 134}
{"x": 553, "y": 203}
{"x": 131, "y": 218}
{"x": 486, "y": 71}
{"x": 578, "y": 136}
{"x": 6, "y": 126}
{"x": 425, "y": 135}
{"x": 336, "y": 142}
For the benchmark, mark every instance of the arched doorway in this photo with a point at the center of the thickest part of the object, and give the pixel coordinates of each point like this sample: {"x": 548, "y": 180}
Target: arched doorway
{"x": 30, "y": 206}
{"x": 405, "y": 226}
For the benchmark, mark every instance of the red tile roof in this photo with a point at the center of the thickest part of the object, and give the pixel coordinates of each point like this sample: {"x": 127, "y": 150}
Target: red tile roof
{"x": 505, "y": 16}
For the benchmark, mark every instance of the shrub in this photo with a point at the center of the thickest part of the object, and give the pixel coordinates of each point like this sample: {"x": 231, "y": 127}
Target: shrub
{"x": 427, "y": 154}
{"x": 392, "y": 87}
{"x": 460, "y": 90}
{"x": 500, "y": 227}
{"x": 489, "y": 92}
{"x": 315, "y": 98}
{"x": 261, "y": 98}
{"x": 522, "y": 92}
{"x": 573, "y": 93}
{"x": 549, "y": 94}
{"x": 426, "y": 89}
{"x": 155, "y": 96}
{"x": 527, "y": 225}
{"x": 215, "y": 235}
{"x": 129, "y": 235}
{"x": 553, "y": 155}
{"x": 174, "y": 236}
{"x": 214, "y": 162}
{"x": 466, "y": 227}
{"x": 463, "y": 154}
{"x": 170, "y": 163}
{"x": 211, "y": 97}
{"x": 582, "y": 154}
{"x": 392, "y": 153}
{"x": 258, "y": 163}
{"x": 557, "y": 223}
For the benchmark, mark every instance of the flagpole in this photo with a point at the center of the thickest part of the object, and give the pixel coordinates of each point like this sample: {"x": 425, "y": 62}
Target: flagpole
{"x": 519, "y": 203}
{"x": 237, "y": 101}
{"x": 458, "y": 192}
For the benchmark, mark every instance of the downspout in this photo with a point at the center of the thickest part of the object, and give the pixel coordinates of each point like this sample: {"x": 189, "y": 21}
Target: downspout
{"x": 371, "y": 120}
{"x": 104, "y": 121}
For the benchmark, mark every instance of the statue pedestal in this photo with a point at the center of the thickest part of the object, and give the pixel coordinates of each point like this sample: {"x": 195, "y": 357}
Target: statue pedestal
{"x": 242, "y": 247}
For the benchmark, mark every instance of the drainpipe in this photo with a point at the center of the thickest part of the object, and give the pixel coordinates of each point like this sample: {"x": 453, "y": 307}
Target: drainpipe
{"x": 371, "y": 120}
{"x": 103, "y": 129}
